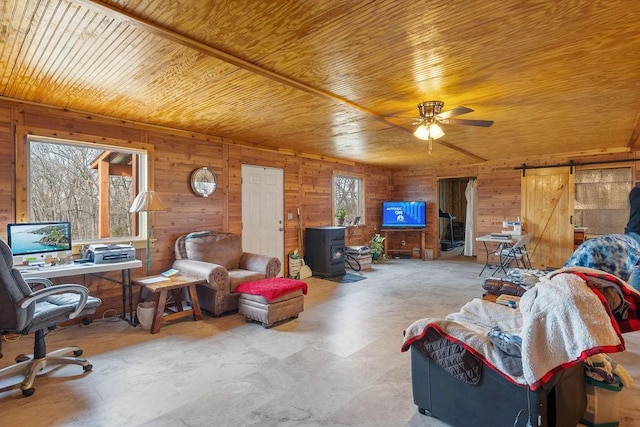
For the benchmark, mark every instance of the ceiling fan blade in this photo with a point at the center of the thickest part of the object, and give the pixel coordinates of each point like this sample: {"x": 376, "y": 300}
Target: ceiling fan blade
{"x": 455, "y": 112}
{"x": 481, "y": 123}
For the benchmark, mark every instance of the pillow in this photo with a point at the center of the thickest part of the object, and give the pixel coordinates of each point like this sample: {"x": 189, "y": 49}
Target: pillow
{"x": 501, "y": 286}
{"x": 224, "y": 249}
{"x": 197, "y": 234}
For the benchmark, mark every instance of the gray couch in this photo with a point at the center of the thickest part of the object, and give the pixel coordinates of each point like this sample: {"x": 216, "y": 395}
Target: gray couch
{"x": 218, "y": 257}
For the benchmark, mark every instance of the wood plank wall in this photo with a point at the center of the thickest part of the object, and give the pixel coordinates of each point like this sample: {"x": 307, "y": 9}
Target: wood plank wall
{"x": 498, "y": 191}
{"x": 307, "y": 184}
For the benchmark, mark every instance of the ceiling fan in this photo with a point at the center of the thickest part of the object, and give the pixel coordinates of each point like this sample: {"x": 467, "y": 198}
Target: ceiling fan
{"x": 431, "y": 114}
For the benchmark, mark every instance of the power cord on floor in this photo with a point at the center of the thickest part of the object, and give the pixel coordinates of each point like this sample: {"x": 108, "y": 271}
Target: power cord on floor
{"x": 110, "y": 315}
{"x": 11, "y": 337}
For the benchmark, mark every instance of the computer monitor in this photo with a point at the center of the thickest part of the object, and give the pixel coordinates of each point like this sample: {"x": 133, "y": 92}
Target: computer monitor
{"x": 39, "y": 238}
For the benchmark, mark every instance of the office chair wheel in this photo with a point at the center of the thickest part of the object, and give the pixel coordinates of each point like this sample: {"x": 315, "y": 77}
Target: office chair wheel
{"x": 77, "y": 353}
{"x": 28, "y": 392}
{"x": 87, "y": 368}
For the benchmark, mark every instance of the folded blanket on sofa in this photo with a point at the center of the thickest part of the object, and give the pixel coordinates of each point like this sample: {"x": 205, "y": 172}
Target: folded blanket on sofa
{"x": 561, "y": 321}
{"x": 564, "y": 322}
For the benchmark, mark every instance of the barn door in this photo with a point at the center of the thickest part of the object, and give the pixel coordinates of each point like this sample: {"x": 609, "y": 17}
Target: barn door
{"x": 547, "y": 212}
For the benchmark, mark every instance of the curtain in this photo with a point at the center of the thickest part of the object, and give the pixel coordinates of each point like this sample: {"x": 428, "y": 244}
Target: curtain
{"x": 471, "y": 194}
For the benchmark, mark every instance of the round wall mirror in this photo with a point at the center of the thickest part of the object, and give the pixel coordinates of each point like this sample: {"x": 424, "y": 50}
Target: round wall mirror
{"x": 203, "y": 182}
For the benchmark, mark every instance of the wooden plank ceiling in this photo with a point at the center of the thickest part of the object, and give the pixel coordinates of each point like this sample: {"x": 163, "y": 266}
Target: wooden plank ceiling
{"x": 340, "y": 79}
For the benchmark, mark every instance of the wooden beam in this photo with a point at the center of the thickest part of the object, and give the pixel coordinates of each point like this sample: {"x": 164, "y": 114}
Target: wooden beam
{"x": 635, "y": 134}
{"x": 153, "y": 28}
{"x": 120, "y": 170}
{"x": 103, "y": 199}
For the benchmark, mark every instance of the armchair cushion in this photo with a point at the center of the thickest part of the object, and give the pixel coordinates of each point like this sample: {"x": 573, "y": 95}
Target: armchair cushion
{"x": 238, "y": 276}
{"x": 221, "y": 249}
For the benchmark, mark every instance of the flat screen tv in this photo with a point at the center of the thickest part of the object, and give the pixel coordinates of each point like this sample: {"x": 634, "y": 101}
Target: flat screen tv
{"x": 39, "y": 237}
{"x": 404, "y": 214}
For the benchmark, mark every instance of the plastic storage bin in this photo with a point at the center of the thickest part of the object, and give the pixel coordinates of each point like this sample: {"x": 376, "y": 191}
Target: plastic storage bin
{"x": 602, "y": 403}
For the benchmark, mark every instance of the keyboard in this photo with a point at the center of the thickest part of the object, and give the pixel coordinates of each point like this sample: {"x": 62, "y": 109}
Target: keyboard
{"x": 56, "y": 267}
{"x": 26, "y": 268}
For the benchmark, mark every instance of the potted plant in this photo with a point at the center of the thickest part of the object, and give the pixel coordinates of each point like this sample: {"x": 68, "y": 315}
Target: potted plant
{"x": 376, "y": 247}
{"x": 340, "y": 214}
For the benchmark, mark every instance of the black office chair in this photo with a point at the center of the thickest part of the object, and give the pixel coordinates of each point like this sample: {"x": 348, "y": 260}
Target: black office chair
{"x": 24, "y": 310}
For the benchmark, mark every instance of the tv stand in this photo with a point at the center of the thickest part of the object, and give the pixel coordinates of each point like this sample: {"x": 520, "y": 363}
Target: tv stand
{"x": 423, "y": 240}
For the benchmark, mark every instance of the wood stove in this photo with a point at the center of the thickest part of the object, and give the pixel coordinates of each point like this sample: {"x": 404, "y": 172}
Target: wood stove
{"x": 324, "y": 251}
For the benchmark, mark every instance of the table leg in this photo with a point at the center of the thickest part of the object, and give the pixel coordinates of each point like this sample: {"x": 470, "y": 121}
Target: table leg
{"x": 486, "y": 262}
{"x": 195, "y": 303}
{"x": 177, "y": 298}
{"x": 124, "y": 297}
{"x": 127, "y": 287}
{"x": 157, "y": 318}
{"x": 130, "y": 286}
{"x": 504, "y": 261}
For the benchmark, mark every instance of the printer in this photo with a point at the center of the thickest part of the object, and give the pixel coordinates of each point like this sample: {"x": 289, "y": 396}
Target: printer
{"x": 104, "y": 254}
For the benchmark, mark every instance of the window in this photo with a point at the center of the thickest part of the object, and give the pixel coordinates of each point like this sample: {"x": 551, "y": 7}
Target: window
{"x": 348, "y": 194}
{"x": 90, "y": 185}
{"x": 602, "y": 199}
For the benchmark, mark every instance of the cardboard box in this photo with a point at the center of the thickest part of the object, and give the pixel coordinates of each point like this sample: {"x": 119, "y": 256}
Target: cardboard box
{"x": 602, "y": 404}
{"x": 365, "y": 261}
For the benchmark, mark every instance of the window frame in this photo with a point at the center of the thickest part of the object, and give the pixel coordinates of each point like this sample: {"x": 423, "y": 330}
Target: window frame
{"x": 25, "y": 134}
{"x": 361, "y": 194}
{"x": 603, "y": 166}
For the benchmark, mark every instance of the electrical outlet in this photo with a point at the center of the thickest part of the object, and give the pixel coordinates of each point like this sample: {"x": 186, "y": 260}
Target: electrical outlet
{"x": 403, "y": 243}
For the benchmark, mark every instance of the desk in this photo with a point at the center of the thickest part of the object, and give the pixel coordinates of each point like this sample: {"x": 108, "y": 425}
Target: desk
{"x": 500, "y": 243}
{"x": 161, "y": 286}
{"x": 93, "y": 269}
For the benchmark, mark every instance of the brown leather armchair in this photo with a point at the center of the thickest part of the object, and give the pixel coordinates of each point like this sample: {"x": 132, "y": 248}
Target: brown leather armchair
{"x": 218, "y": 257}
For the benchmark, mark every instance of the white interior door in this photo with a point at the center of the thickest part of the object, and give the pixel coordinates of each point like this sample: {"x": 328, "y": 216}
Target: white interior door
{"x": 262, "y": 211}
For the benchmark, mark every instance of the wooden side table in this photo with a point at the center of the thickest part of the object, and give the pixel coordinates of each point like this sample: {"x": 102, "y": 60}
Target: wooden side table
{"x": 160, "y": 287}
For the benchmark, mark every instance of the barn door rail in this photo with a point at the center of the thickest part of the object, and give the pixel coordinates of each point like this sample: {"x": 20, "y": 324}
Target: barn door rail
{"x": 571, "y": 165}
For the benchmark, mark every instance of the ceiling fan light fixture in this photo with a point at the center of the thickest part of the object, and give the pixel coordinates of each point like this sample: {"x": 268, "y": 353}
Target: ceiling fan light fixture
{"x": 428, "y": 131}
{"x": 435, "y": 131}
{"x": 422, "y": 132}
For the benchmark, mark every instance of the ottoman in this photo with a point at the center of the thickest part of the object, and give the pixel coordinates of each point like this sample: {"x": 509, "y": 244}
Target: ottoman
{"x": 271, "y": 300}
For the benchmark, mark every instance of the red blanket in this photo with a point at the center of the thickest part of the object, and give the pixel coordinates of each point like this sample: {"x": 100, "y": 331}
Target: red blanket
{"x": 272, "y": 288}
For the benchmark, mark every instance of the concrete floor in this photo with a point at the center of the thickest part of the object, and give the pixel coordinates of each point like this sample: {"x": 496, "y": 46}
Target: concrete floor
{"x": 338, "y": 364}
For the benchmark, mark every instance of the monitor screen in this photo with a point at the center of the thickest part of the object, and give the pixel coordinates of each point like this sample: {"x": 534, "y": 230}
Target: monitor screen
{"x": 404, "y": 214}
{"x": 37, "y": 238}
